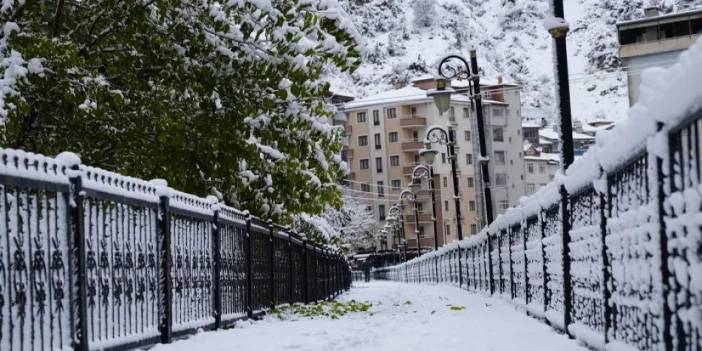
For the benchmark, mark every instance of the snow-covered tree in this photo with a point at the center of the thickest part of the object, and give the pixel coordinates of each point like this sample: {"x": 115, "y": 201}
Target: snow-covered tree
{"x": 219, "y": 97}
{"x": 424, "y": 13}
{"x": 351, "y": 227}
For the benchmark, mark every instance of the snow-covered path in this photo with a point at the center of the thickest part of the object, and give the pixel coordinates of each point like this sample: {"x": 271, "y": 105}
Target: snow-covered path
{"x": 424, "y": 323}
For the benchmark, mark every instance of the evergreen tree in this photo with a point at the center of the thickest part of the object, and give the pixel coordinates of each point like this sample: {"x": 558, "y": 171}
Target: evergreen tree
{"x": 216, "y": 97}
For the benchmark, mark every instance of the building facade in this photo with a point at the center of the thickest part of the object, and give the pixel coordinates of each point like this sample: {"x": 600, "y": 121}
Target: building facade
{"x": 655, "y": 41}
{"x": 384, "y": 133}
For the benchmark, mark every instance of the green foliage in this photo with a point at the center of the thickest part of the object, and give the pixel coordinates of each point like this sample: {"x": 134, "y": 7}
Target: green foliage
{"x": 330, "y": 309}
{"x": 217, "y": 99}
{"x": 457, "y": 308}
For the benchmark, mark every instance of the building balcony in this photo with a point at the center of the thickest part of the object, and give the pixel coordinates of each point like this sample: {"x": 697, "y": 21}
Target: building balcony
{"x": 423, "y": 218}
{"x": 411, "y": 146}
{"x": 413, "y": 122}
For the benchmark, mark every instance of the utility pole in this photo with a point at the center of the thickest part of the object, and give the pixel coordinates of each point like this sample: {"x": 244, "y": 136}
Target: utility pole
{"x": 559, "y": 31}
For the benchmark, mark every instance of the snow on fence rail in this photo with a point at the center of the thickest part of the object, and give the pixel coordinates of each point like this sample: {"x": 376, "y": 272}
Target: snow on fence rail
{"x": 610, "y": 253}
{"x": 91, "y": 259}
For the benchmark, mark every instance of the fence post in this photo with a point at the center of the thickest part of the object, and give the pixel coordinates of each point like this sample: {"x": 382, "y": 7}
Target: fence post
{"x": 544, "y": 271}
{"x": 489, "y": 264}
{"x": 607, "y": 294}
{"x": 526, "y": 263}
{"x": 77, "y": 228}
{"x": 217, "y": 266}
{"x": 271, "y": 262}
{"x": 327, "y": 269}
{"x": 249, "y": 269}
{"x": 164, "y": 232}
{"x": 567, "y": 292}
{"x": 305, "y": 280}
{"x": 290, "y": 267}
{"x": 509, "y": 232}
{"x": 667, "y": 313}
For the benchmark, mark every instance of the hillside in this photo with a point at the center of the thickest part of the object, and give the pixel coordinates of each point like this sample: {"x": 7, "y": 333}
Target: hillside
{"x": 511, "y": 42}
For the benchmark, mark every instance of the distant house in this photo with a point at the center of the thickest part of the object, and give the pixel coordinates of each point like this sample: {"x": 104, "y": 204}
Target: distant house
{"x": 655, "y": 40}
{"x": 550, "y": 141}
{"x": 539, "y": 167}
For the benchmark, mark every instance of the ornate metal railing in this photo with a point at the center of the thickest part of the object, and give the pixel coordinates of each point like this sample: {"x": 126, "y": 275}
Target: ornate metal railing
{"x": 90, "y": 259}
{"x": 610, "y": 256}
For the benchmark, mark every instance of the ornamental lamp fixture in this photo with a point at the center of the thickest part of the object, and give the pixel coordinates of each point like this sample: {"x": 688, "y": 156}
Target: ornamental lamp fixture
{"x": 415, "y": 186}
{"x": 428, "y": 154}
{"x": 441, "y": 95}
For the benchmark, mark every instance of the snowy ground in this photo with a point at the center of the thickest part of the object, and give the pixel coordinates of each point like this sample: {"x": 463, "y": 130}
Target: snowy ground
{"x": 425, "y": 323}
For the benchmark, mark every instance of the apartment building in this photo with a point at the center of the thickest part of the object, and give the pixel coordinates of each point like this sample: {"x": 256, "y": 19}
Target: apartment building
{"x": 655, "y": 41}
{"x": 539, "y": 168}
{"x": 505, "y": 144}
{"x": 384, "y": 133}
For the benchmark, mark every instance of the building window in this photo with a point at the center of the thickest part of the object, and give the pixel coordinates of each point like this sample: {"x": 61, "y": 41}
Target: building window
{"x": 497, "y": 134}
{"x": 530, "y": 167}
{"x": 445, "y": 182}
{"x": 421, "y": 231}
{"x": 376, "y": 118}
{"x": 503, "y": 204}
{"x": 364, "y": 163}
{"x": 470, "y": 182}
{"x": 394, "y": 161}
{"x": 471, "y": 206}
{"x": 469, "y": 159}
{"x": 381, "y": 212}
{"x": 391, "y": 113}
{"x": 393, "y": 136}
{"x": 452, "y": 114}
{"x": 361, "y": 117}
{"x": 542, "y": 168}
{"x": 396, "y": 184}
{"x": 448, "y": 230}
{"x": 446, "y": 205}
{"x": 498, "y": 111}
{"x": 413, "y": 111}
{"x": 466, "y": 114}
{"x": 381, "y": 189}
{"x": 473, "y": 228}
{"x": 362, "y": 140}
{"x": 466, "y": 135}
{"x": 500, "y": 179}
{"x": 499, "y": 157}
{"x": 365, "y": 188}
{"x": 378, "y": 145}
{"x": 443, "y": 157}
{"x": 379, "y": 164}
{"x": 530, "y": 188}
{"x": 420, "y": 207}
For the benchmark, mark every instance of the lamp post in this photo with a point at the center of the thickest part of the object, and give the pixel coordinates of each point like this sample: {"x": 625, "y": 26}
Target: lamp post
{"x": 402, "y": 229}
{"x": 442, "y": 99}
{"x": 409, "y": 195}
{"x": 422, "y": 171}
{"x": 440, "y": 135}
{"x": 396, "y": 214}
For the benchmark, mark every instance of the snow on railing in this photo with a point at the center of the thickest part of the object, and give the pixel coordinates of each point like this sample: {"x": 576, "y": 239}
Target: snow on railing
{"x": 634, "y": 208}
{"x": 91, "y": 259}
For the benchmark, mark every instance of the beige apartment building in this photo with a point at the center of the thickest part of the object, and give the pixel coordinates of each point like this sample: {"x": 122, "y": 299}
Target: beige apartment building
{"x": 384, "y": 133}
{"x": 655, "y": 41}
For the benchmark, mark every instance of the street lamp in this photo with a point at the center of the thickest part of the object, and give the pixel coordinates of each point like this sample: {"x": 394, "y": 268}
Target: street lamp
{"x": 422, "y": 171}
{"x": 452, "y": 67}
{"x": 440, "y": 135}
{"x": 409, "y": 195}
{"x": 398, "y": 211}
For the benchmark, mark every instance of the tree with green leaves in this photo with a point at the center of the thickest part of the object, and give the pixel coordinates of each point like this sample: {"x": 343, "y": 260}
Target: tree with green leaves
{"x": 221, "y": 98}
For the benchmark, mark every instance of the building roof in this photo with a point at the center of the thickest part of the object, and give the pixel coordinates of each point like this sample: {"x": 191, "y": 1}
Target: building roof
{"x": 530, "y": 123}
{"x": 398, "y": 96}
{"x": 653, "y": 19}
{"x": 549, "y": 133}
{"x": 548, "y": 157}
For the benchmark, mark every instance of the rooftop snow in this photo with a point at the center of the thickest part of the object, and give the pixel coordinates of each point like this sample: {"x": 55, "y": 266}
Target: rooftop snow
{"x": 402, "y": 95}
{"x": 549, "y": 133}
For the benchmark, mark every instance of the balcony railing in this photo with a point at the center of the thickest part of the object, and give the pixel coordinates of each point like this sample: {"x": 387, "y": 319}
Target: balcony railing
{"x": 412, "y": 145}
{"x": 413, "y": 121}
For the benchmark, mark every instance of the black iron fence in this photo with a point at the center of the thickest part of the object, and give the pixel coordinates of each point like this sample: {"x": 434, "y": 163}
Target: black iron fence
{"x": 611, "y": 257}
{"x": 94, "y": 260}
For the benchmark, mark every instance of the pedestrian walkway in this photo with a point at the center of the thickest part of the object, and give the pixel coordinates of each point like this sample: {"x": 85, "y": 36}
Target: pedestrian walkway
{"x": 402, "y": 317}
